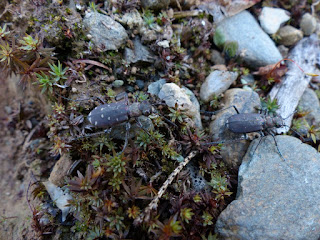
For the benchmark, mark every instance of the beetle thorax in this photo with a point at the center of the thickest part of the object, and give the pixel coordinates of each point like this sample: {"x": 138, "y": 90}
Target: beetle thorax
{"x": 274, "y": 122}
{"x": 134, "y": 110}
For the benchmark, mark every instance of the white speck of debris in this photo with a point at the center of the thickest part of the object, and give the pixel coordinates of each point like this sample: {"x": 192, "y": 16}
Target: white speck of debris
{"x": 203, "y": 23}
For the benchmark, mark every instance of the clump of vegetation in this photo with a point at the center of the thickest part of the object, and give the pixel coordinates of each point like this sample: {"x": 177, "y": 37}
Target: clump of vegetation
{"x": 26, "y": 57}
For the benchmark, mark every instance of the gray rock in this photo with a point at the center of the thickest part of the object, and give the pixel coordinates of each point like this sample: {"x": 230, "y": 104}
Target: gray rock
{"x": 256, "y": 46}
{"x": 106, "y": 33}
{"x": 309, "y": 102}
{"x": 140, "y": 83}
{"x": 148, "y": 35}
{"x": 60, "y": 170}
{"x": 117, "y": 83}
{"x": 216, "y": 83}
{"x": 132, "y": 19}
{"x": 271, "y": 19}
{"x": 216, "y": 58}
{"x": 198, "y": 181}
{"x": 139, "y": 53}
{"x": 183, "y": 98}
{"x": 172, "y": 94}
{"x": 289, "y": 35}
{"x": 155, "y": 4}
{"x": 276, "y": 199}
{"x": 233, "y": 150}
{"x": 196, "y": 104}
{"x": 247, "y": 81}
{"x": 155, "y": 87}
{"x": 308, "y": 24}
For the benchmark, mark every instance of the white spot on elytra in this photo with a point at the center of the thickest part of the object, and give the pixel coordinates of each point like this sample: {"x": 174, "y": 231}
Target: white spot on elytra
{"x": 90, "y": 119}
{"x": 101, "y": 109}
{"x": 95, "y": 123}
{"x": 102, "y": 116}
{"x": 90, "y": 113}
{"x": 108, "y": 118}
{"x": 117, "y": 119}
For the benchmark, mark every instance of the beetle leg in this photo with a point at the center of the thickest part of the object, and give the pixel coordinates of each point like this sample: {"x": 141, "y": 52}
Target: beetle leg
{"x": 128, "y": 126}
{"x": 258, "y": 144}
{"x": 141, "y": 126}
{"x": 277, "y": 146}
{"x": 91, "y": 134}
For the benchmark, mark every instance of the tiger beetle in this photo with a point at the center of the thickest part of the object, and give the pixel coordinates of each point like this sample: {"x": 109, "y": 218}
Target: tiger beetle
{"x": 112, "y": 114}
{"x": 254, "y": 122}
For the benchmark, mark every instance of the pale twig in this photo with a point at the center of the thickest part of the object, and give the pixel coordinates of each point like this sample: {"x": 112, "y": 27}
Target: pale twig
{"x": 154, "y": 203}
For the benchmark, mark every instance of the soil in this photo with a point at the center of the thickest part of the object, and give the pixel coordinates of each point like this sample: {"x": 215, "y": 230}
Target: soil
{"x": 19, "y": 166}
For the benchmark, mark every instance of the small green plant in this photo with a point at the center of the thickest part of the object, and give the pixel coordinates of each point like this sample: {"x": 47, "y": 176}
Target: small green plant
{"x": 230, "y": 48}
{"x": 219, "y": 38}
{"x": 186, "y": 214}
{"x": 29, "y": 43}
{"x": 143, "y": 140}
{"x": 270, "y": 105}
{"x": 3, "y": 32}
{"x": 148, "y": 18}
{"x": 313, "y": 131}
{"x": 214, "y": 103}
{"x": 93, "y": 6}
{"x": 133, "y": 212}
{"x": 57, "y": 72}
{"x": 45, "y": 82}
{"x": 116, "y": 165}
{"x": 207, "y": 219}
{"x": 6, "y": 53}
{"x": 176, "y": 114}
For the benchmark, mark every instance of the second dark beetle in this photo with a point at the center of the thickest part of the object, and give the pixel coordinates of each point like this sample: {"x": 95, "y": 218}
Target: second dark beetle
{"x": 253, "y": 122}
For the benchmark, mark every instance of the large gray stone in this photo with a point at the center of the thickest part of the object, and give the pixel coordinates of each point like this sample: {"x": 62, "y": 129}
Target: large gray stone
{"x": 255, "y": 45}
{"x": 106, "y": 33}
{"x": 276, "y": 199}
{"x": 216, "y": 83}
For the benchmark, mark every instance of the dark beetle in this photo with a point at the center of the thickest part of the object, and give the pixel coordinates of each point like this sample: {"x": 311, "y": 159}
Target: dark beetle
{"x": 112, "y": 114}
{"x": 252, "y": 122}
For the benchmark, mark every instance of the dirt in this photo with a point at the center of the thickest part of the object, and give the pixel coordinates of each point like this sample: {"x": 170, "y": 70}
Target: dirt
{"x": 19, "y": 165}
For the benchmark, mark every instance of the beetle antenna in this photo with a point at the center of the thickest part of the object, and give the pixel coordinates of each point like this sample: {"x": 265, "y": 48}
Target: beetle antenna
{"x": 290, "y": 115}
{"x": 296, "y": 132}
